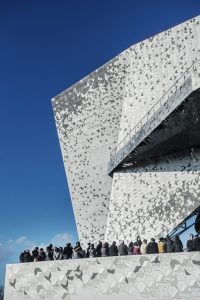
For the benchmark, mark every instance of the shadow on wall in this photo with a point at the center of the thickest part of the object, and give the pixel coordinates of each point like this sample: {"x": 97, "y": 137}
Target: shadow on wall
{"x": 186, "y": 160}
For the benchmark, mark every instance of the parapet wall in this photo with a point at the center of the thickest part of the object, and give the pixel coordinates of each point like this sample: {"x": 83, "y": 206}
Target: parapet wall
{"x": 138, "y": 277}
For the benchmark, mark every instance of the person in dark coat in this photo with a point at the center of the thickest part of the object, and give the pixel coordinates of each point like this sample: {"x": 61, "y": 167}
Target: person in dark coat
{"x": 35, "y": 253}
{"x": 178, "y": 246}
{"x": 88, "y": 250}
{"x": 196, "y": 243}
{"x": 68, "y": 251}
{"x": 190, "y": 243}
{"x": 113, "y": 250}
{"x": 122, "y": 249}
{"x": 130, "y": 248}
{"x": 21, "y": 257}
{"x": 98, "y": 249}
{"x": 152, "y": 247}
{"x": 49, "y": 253}
{"x": 41, "y": 255}
{"x": 169, "y": 244}
{"x": 27, "y": 256}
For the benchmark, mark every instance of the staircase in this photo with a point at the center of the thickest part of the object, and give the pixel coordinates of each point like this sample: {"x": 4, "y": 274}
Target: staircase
{"x": 178, "y": 92}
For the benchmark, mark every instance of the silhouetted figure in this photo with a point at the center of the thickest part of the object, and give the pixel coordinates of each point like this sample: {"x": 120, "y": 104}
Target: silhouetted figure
{"x": 27, "y": 256}
{"x": 152, "y": 247}
{"x": 98, "y": 249}
{"x": 169, "y": 244}
{"x": 178, "y": 246}
{"x": 41, "y": 255}
{"x": 35, "y": 253}
{"x": 122, "y": 249}
{"x": 56, "y": 254}
{"x": 49, "y": 253}
{"x": 190, "y": 246}
{"x": 113, "y": 250}
{"x": 68, "y": 251}
{"x": 196, "y": 243}
{"x": 21, "y": 257}
{"x": 87, "y": 250}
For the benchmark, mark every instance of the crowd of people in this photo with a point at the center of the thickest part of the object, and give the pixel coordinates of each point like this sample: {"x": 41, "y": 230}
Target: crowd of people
{"x": 164, "y": 245}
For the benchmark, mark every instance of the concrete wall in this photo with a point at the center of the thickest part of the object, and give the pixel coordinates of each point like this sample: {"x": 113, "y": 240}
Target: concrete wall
{"x": 138, "y": 277}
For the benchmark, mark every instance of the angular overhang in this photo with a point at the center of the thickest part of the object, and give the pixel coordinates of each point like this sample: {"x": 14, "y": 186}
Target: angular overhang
{"x": 180, "y": 131}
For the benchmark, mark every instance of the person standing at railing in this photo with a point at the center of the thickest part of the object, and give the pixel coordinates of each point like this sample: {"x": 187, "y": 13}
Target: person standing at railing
{"x": 196, "y": 243}
{"x": 143, "y": 247}
{"x": 178, "y": 245}
{"x": 123, "y": 249}
{"x": 190, "y": 243}
{"x": 152, "y": 247}
{"x": 113, "y": 250}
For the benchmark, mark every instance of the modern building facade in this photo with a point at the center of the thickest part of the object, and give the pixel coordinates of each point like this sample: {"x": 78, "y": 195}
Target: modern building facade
{"x": 122, "y": 130}
{"x": 130, "y": 135}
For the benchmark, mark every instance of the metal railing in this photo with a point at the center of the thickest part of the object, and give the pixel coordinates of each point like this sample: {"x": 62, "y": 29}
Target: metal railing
{"x": 162, "y": 101}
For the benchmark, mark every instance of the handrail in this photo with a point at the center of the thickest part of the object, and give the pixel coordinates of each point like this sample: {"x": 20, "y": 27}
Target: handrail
{"x": 117, "y": 148}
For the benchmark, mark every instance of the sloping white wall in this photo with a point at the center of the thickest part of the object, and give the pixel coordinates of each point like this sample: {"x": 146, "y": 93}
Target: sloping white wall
{"x": 87, "y": 119}
{"x": 138, "y": 277}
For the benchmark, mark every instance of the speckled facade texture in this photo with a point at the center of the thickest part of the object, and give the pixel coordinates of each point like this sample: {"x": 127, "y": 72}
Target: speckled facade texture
{"x": 152, "y": 200}
{"x": 153, "y": 277}
{"x": 96, "y": 114}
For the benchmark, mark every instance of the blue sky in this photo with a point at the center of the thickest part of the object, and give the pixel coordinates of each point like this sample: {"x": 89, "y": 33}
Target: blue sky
{"x": 45, "y": 47}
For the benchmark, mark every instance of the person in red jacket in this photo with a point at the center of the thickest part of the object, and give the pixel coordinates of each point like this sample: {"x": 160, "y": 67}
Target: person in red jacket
{"x": 136, "y": 249}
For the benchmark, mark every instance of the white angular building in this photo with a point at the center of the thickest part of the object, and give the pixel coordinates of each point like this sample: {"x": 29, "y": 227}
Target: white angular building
{"x": 129, "y": 139}
{"x": 130, "y": 136}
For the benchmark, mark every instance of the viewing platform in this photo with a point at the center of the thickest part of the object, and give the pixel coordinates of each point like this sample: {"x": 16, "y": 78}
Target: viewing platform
{"x": 154, "y": 277}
